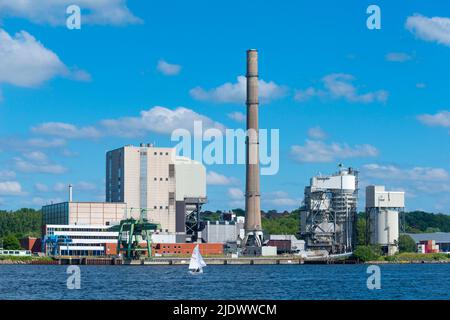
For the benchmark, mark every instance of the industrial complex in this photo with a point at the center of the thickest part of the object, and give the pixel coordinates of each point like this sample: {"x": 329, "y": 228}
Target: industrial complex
{"x": 154, "y": 198}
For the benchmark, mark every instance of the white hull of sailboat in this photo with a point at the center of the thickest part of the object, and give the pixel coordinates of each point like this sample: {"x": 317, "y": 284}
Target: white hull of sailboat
{"x": 196, "y": 272}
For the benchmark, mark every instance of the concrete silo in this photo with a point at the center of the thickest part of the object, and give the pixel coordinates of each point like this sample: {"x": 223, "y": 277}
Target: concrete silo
{"x": 383, "y": 209}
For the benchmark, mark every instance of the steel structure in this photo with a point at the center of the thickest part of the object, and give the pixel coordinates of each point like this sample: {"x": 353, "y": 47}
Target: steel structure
{"x": 54, "y": 242}
{"x": 329, "y": 213}
{"x": 193, "y": 222}
{"x": 131, "y": 233}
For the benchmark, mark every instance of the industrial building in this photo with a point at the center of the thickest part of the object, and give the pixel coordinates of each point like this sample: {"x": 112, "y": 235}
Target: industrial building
{"x": 383, "y": 210}
{"x": 84, "y": 213}
{"x": 31, "y": 244}
{"x": 169, "y": 249}
{"x": 79, "y": 240}
{"x": 168, "y": 189}
{"x": 220, "y": 231}
{"x": 429, "y": 242}
{"x": 328, "y": 215}
{"x": 286, "y": 243}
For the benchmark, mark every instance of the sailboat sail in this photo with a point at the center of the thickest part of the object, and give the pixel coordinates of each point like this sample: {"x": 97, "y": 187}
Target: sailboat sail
{"x": 197, "y": 262}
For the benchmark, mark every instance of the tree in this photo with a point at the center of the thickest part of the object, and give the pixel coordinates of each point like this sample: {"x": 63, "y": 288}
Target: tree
{"x": 10, "y": 242}
{"x": 406, "y": 243}
{"x": 367, "y": 253}
{"x": 361, "y": 229}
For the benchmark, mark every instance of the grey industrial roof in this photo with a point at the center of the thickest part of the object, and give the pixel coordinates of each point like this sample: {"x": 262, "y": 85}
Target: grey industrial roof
{"x": 439, "y": 237}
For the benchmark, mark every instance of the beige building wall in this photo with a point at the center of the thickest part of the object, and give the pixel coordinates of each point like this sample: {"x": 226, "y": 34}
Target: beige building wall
{"x": 84, "y": 213}
{"x": 143, "y": 177}
{"x": 190, "y": 179}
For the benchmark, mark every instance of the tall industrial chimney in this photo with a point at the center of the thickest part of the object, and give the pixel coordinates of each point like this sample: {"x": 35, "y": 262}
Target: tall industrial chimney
{"x": 253, "y": 230}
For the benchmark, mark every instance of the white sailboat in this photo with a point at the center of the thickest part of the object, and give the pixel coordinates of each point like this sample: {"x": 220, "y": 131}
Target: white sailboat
{"x": 197, "y": 263}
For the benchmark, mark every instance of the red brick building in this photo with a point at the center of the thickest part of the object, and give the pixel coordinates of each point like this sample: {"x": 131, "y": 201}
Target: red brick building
{"x": 186, "y": 248}
{"x": 32, "y": 244}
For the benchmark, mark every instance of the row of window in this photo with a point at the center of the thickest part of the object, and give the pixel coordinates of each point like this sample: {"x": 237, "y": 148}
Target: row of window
{"x": 160, "y": 207}
{"x": 160, "y": 179}
{"x": 76, "y": 229}
{"x": 81, "y": 253}
{"x": 93, "y": 237}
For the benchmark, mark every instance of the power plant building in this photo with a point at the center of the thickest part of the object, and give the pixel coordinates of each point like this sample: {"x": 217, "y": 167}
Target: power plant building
{"x": 328, "y": 216}
{"x": 156, "y": 184}
{"x": 83, "y": 213}
{"x": 220, "y": 231}
{"x": 383, "y": 210}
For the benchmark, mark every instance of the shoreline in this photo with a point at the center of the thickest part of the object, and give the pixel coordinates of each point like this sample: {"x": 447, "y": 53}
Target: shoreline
{"x": 210, "y": 261}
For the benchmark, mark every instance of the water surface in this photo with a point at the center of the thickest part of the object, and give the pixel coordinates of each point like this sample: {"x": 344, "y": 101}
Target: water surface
{"x": 293, "y": 282}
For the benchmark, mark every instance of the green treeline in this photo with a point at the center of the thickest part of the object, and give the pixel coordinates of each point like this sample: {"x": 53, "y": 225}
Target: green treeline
{"x": 288, "y": 222}
{"x": 20, "y": 223}
{"x": 419, "y": 221}
{"x": 27, "y": 222}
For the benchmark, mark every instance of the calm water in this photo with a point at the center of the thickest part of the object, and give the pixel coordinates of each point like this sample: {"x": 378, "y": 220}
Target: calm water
{"x": 421, "y": 281}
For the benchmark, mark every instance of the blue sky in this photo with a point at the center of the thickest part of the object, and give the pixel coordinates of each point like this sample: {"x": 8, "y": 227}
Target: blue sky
{"x": 376, "y": 100}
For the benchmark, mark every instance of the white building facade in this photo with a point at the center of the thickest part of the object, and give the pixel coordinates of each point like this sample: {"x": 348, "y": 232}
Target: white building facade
{"x": 150, "y": 180}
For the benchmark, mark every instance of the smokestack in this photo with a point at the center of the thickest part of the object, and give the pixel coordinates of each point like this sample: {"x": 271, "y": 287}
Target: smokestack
{"x": 70, "y": 192}
{"x": 253, "y": 230}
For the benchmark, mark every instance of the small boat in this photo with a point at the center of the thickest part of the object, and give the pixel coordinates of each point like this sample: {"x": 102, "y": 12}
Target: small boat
{"x": 197, "y": 263}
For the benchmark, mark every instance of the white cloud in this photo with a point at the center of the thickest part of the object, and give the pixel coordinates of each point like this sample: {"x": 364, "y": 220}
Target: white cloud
{"x": 7, "y": 174}
{"x": 317, "y": 133}
{"x": 10, "y": 188}
{"x": 37, "y": 156}
{"x": 53, "y": 12}
{"x": 280, "y": 199}
{"x": 319, "y": 151}
{"x": 85, "y": 186}
{"x": 214, "y": 178}
{"x": 25, "y": 62}
{"x": 340, "y": 86}
{"x": 79, "y": 186}
{"x": 396, "y": 173}
{"x": 38, "y": 201}
{"x": 237, "y": 116}
{"x": 66, "y": 130}
{"x": 398, "y": 57}
{"x": 58, "y": 187}
{"x": 45, "y": 143}
{"x": 236, "y": 92}
{"x": 68, "y": 153}
{"x": 80, "y": 75}
{"x": 41, "y": 187}
{"x": 159, "y": 120}
{"x": 235, "y": 194}
{"x": 440, "y": 119}
{"x": 435, "y": 29}
{"x": 27, "y": 166}
{"x": 421, "y": 85}
{"x": 236, "y": 197}
{"x": 168, "y": 69}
